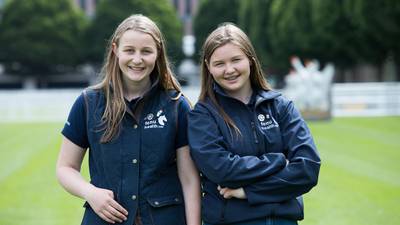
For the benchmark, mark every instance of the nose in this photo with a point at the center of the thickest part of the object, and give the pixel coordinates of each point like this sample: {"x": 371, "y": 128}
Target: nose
{"x": 136, "y": 59}
{"x": 229, "y": 69}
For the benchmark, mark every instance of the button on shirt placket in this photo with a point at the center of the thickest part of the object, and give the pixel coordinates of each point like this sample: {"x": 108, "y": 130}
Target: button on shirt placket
{"x": 131, "y": 168}
{"x": 134, "y": 162}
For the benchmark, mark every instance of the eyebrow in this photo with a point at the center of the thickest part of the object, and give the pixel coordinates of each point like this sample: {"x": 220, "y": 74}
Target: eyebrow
{"x": 145, "y": 47}
{"x": 232, "y": 57}
{"x": 237, "y": 56}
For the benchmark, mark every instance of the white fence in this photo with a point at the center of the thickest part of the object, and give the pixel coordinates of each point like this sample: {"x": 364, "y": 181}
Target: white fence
{"x": 36, "y": 105}
{"x": 349, "y": 99}
{"x": 366, "y": 99}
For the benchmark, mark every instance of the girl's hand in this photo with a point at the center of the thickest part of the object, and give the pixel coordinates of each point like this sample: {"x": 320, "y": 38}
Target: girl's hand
{"x": 228, "y": 193}
{"x": 103, "y": 204}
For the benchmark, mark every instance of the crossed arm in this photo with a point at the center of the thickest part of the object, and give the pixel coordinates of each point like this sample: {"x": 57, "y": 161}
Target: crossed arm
{"x": 273, "y": 177}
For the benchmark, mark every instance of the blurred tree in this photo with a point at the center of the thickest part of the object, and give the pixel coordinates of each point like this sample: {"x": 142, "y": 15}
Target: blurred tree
{"x": 40, "y": 36}
{"x": 324, "y": 30}
{"x": 379, "y": 20}
{"x": 335, "y": 35}
{"x": 109, "y": 13}
{"x": 253, "y": 18}
{"x": 209, "y": 15}
{"x": 290, "y": 29}
{"x": 345, "y": 32}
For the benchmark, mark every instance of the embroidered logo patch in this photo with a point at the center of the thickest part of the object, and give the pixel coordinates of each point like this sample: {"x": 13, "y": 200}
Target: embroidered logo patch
{"x": 158, "y": 121}
{"x": 150, "y": 116}
{"x": 267, "y": 122}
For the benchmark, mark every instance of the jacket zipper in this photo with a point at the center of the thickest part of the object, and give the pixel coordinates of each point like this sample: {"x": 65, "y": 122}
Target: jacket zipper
{"x": 253, "y": 127}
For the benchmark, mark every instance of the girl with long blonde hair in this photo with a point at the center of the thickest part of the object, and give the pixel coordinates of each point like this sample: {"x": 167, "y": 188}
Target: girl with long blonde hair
{"x": 134, "y": 124}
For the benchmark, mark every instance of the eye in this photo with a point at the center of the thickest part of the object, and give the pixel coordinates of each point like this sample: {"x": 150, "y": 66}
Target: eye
{"x": 218, "y": 64}
{"x": 147, "y": 51}
{"x": 129, "y": 50}
{"x": 236, "y": 59}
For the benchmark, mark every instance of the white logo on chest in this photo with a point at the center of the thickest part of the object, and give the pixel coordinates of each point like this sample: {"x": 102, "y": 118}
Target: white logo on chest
{"x": 158, "y": 121}
{"x": 267, "y": 122}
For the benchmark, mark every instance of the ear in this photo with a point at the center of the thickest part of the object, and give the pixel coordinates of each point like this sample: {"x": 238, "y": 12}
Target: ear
{"x": 115, "y": 48}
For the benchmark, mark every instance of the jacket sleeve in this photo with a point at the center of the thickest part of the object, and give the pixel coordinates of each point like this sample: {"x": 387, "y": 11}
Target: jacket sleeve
{"x": 217, "y": 163}
{"x": 300, "y": 174}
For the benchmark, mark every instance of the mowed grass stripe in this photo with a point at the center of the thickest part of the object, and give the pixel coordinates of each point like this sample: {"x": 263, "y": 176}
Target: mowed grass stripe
{"x": 383, "y": 134}
{"x": 342, "y": 198}
{"x": 383, "y": 125}
{"x": 387, "y": 173}
{"x": 23, "y": 143}
{"x": 38, "y": 198}
{"x": 358, "y": 179}
{"x": 355, "y": 132}
{"x": 358, "y": 152}
{"x": 357, "y": 185}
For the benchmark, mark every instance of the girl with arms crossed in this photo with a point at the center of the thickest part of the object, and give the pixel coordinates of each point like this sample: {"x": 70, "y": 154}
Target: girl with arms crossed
{"x": 255, "y": 152}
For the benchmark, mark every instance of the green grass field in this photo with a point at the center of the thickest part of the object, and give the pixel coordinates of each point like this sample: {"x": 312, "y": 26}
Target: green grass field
{"x": 359, "y": 179}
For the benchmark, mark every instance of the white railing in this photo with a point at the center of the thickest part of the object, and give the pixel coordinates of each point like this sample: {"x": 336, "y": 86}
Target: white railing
{"x": 348, "y": 99}
{"x": 366, "y": 99}
{"x": 36, "y": 105}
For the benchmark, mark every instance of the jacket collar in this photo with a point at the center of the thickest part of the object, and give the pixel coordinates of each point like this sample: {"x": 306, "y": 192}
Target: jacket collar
{"x": 261, "y": 94}
{"x": 264, "y": 95}
{"x": 135, "y": 109}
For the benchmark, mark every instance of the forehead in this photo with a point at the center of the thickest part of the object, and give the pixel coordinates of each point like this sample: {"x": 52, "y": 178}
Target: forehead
{"x": 226, "y": 51}
{"x": 137, "y": 39}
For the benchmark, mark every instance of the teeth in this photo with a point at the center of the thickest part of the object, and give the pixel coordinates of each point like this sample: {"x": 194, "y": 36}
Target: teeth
{"x": 135, "y": 68}
{"x": 231, "y": 78}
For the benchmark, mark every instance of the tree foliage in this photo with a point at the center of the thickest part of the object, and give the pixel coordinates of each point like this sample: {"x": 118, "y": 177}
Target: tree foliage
{"x": 345, "y": 32}
{"x": 255, "y": 25}
{"x": 109, "y": 13}
{"x": 210, "y": 14}
{"x": 39, "y": 36}
{"x": 379, "y": 21}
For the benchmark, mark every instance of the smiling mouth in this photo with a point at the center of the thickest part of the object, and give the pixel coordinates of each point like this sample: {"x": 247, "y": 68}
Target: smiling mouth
{"x": 231, "y": 78}
{"x": 138, "y": 69}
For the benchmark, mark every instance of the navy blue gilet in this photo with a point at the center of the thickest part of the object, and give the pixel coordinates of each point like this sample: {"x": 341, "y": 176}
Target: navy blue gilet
{"x": 138, "y": 165}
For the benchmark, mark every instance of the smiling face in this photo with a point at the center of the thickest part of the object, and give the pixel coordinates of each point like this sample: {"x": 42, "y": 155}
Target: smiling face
{"x": 137, "y": 56}
{"x": 230, "y": 68}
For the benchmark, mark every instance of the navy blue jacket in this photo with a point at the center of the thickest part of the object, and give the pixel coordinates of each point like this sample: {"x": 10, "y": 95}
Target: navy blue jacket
{"x": 139, "y": 165}
{"x": 272, "y": 132}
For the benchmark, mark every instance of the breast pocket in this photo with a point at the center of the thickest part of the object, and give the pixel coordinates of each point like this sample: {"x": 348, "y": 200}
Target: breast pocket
{"x": 167, "y": 210}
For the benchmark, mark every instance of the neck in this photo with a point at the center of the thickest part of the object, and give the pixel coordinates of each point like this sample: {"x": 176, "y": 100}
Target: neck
{"x": 243, "y": 95}
{"x": 136, "y": 90}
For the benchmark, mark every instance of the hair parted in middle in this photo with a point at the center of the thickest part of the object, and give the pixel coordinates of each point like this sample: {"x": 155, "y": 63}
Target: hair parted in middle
{"x": 111, "y": 82}
{"x": 224, "y": 34}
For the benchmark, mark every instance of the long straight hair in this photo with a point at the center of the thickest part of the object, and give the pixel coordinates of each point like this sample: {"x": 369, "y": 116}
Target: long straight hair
{"x": 224, "y": 34}
{"x": 112, "y": 84}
